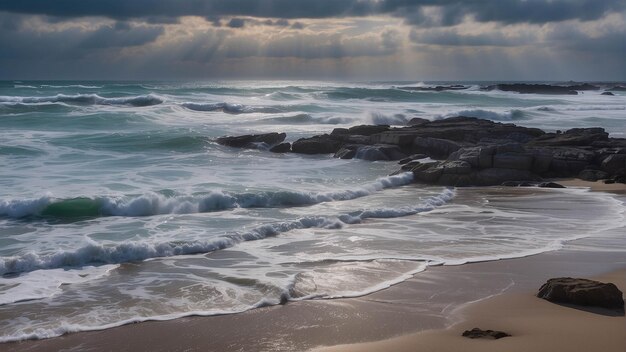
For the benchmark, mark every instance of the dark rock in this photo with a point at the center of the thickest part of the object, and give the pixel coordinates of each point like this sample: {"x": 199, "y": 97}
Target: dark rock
{"x": 607, "y": 93}
{"x": 525, "y": 88}
{"x": 436, "y": 88}
{"x": 477, "y": 333}
{"x": 435, "y": 147}
{"x": 515, "y": 161}
{"x": 400, "y": 137}
{"x": 252, "y": 140}
{"x": 411, "y": 158}
{"x": 427, "y": 172}
{"x": 477, "y": 157}
{"x": 550, "y": 185}
{"x": 582, "y": 292}
{"x": 618, "y": 89}
{"x": 281, "y": 148}
{"x": 460, "y": 129}
{"x": 573, "y": 137}
{"x": 592, "y": 175}
{"x": 379, "y": 152}
{"x": 614, "y": 164}
{"x": 361, "y": 130}
{"x": 346, "y": 152}
{"x": 323, "y": 144}
{"x": 457, "y": 167}
{"x": 417, "y": 121}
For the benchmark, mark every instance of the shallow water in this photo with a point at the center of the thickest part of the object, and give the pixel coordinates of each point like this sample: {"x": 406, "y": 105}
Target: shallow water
{"x": 116, "y": 204}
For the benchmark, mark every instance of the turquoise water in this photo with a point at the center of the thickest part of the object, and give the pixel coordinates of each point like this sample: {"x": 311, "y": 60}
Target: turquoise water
{"x": 117, "y": 205}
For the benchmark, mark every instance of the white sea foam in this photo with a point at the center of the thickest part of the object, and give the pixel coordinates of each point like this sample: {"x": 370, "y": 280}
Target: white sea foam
{"x": 46, "y": 283}
{"x": 510, "y": 115}
{"x": 158, "y": 204}
{"x": 98, "y": 253}
{"x": 378, "y": 118}
{"x": 71, "y": 86}
{"x": 230, "y": 108}
{"x": 86, "y": 99}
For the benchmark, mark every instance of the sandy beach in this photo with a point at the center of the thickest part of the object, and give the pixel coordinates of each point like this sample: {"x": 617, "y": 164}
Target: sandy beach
{"x": 427, "y": 313}
{"x": 535, "y": 325}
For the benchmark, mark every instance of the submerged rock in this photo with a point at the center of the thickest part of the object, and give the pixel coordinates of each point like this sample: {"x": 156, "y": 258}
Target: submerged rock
{"x": 582, "y": 292}
{"x": 252, "y": 140}
{"x": 477, "y": 333}
{"x": 281, "y": 148}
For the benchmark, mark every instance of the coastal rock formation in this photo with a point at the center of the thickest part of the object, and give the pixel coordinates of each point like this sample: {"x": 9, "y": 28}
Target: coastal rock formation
{"x": 436, "y": 88}
{"x": 281, "y": 148}
{"x": 582, "y": 292}
{"x": 252, "y": 140}
{"x": 324, "y": 144}
{"x": 526, "y": 88}
{"x": 468, "y": 151}
{"x": 477, "y": 333}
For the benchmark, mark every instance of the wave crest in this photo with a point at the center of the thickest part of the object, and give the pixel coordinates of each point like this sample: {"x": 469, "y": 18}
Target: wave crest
{"x": 97, "y": 253}
{"x": 157, "y": 204}
{"x": 85, "y": 99}
{"x": 229, "y": 108}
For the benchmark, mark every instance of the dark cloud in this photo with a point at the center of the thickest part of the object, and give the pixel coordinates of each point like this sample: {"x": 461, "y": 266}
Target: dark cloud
{"x": 509, "y": 11}
{"x": 32, "y": 44}
{"x": 452, "y": 11}
{"x": 236, "y": 23}
{"x": 121, "y": 35}
{"x": 175, "y": 8}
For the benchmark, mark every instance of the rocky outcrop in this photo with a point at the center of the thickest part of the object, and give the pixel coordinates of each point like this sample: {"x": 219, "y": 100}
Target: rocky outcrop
{"x": 361, "y": 130}
{"x": 436, "y": 88}
{"x": 573, "y": 137}
{"x": 467, "y": 151}
{"x": 582, "y": 292}
{"x": 477, "y": 333}
{"x": 525, "y": 88}
{"x": 378, "y": 152}
{"x": 281, "y": 148}
{"x": 607, "y": 93}
{"x": 323, "y": 144}
{"x": 252, "y": 140}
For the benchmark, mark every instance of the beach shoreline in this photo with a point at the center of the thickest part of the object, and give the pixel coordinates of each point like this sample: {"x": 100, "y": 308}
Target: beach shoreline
{"x": 435, "y": 303}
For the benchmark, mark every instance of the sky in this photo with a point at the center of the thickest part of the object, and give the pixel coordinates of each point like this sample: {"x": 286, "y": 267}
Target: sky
{"x": 313, "y": 39}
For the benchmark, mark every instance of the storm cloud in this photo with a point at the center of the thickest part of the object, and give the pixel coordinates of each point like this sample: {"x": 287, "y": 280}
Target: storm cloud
{"x": 452, "y": 11}
{"x": 312, "y": 38}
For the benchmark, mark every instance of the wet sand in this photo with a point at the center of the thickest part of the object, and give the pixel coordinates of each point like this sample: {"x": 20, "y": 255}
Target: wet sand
{"x": 430, "y": 300}
{"x": 533, "y": 323}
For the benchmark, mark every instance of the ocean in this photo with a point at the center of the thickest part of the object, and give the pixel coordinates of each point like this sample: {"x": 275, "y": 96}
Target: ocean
{"x": 117, "y": 205}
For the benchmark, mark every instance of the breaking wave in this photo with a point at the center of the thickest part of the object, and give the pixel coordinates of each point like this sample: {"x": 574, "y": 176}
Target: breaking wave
{"x": 85, "y": 99}
{"x": 98, "y": 253}
{"x": 511, "y": 115}
{"x": 157, "y": 204}
{"x": 229, "y": 108}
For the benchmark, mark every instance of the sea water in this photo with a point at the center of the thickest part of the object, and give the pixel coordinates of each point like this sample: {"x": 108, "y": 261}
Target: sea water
{"x": 117, "y": 205}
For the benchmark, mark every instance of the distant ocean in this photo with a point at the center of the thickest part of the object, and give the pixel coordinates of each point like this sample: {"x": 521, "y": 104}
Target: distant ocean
{"x": 117, "y": 205}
